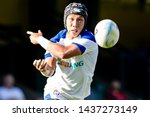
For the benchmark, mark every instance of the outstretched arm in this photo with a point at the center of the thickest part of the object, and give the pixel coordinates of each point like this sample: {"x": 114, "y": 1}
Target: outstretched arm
{"x": 55, "y": 49}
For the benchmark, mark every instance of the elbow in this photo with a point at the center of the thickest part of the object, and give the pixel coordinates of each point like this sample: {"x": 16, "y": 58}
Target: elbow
{"x": 63, "y": 56}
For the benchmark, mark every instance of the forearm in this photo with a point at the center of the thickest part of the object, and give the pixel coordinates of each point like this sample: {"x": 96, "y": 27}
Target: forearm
{"x": 55, "y": 49}
{"x": 59, "y": 50}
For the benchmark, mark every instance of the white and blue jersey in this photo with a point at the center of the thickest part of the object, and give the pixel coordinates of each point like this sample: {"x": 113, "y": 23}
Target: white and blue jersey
{"x": 73, "y": 76}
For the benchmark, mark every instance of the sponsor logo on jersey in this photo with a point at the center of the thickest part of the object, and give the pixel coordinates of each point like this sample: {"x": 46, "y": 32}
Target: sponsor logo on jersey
{"x": 73, "y": 65}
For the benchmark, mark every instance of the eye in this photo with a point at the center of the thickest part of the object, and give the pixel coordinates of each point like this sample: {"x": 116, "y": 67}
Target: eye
{"x": 80, "y": 20}
{"x": 71, "y": 19}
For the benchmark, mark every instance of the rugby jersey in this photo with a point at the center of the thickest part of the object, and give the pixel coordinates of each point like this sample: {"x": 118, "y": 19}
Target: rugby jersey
{"x": 73, "y": 76}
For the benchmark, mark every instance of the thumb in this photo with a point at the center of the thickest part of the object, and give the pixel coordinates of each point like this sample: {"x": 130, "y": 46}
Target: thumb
{"x": 39, "y": 31}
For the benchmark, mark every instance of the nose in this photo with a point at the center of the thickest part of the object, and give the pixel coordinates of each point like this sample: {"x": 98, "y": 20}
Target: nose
{"x": 75, "y": 23}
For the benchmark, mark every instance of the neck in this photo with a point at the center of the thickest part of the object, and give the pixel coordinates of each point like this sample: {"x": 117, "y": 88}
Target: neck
{"x": 71, "y": 36}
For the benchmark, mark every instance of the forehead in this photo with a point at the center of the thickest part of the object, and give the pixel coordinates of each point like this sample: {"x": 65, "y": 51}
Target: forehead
{"x": 75, "y": 16}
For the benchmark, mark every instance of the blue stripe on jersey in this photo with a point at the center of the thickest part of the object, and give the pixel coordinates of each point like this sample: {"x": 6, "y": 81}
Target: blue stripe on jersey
{"x": 82, "y": 48}
{"x": 85, "y": 35}
{"x": 61, "y": 34}
{"x": 47, "y": 55}
{"x": 88, "y": 35}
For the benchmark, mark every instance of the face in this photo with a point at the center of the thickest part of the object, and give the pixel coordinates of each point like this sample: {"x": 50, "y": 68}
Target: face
{"x": 9, "y": 80}
{"x": 75, "y": 24}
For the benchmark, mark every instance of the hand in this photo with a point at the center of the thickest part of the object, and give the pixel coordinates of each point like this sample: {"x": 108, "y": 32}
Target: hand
{"x": 34, "y": 36}
{"x": 40, "y": 64}
{"x": 44, "y": 68}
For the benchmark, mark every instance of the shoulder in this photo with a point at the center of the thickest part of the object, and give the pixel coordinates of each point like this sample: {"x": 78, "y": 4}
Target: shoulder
{"x": 62, "y": 33}
{"x": 59, "y": 35}
{"x": 88, "y": 35}
{"x": 2, "y": 88}
{"x": 15, "y": 88}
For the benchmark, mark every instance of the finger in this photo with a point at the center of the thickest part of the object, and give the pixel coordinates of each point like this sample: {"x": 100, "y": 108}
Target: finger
{"x": 39, "y": 31}
{"x": 29, "y": 32}
{"x": 34, "y": 62}
{"x": 38, "y": 65}
{"x": 42, "y": 65}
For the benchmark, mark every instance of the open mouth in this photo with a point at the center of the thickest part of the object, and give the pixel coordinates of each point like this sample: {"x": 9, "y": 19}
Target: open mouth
{"x": 74, "y": 31}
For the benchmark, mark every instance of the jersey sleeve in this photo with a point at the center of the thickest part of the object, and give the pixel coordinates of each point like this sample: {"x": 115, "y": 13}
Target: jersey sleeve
{"x": 47, "y": 54}
{"x": 61, "y": 34}
{"x": 55, "y": 39}
{"x": 86, "y": 42}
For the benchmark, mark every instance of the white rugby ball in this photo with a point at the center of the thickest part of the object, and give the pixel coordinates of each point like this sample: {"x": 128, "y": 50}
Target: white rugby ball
{"x": 106, "y": 33}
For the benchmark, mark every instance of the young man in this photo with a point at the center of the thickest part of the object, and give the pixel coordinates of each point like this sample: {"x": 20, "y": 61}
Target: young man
{"x": 70, "y": 57}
